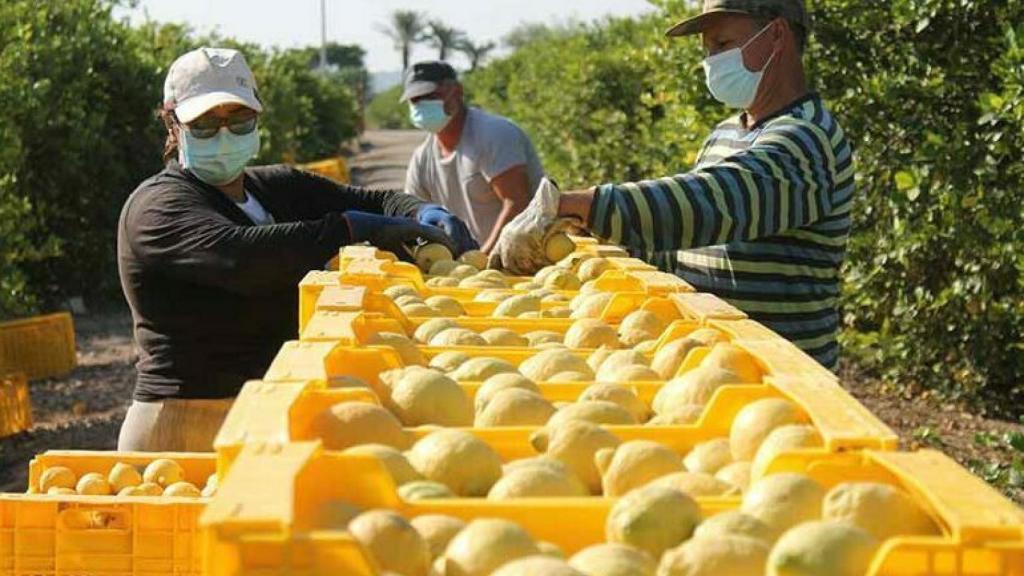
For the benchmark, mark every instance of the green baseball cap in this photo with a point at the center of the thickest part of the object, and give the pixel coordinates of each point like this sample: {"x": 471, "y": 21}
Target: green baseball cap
{"x": 793, "y": 10}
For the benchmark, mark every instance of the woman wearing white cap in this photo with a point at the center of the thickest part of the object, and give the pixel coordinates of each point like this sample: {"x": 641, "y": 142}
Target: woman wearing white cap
{"x": 210, "y": 252}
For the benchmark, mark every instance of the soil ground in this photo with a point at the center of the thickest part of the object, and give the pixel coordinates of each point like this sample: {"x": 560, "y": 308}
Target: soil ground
{"x": 84, "y": 409}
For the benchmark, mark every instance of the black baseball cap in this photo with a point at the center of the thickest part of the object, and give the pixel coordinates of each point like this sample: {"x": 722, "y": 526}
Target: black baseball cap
{"x": 423, "y": 78}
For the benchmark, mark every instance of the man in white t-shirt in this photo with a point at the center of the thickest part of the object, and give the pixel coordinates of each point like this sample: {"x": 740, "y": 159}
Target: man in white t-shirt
{"x": 481, "y": 167}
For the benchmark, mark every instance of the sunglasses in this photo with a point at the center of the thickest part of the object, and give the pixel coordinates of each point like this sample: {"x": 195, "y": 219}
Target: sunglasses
{"x": 208, "y": 126}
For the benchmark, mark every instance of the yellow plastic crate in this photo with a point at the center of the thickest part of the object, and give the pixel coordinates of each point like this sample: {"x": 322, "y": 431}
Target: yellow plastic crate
{"x": 140, "y": 536}
{"x": 41, "y": 346}
{"x": 329, "y": 351}
{"x": 334, "y": 168}
{"x": 261, "y": 520}
{"x": 630, "y": 276}
{"x": 15, "y": 404}
{"x": 283, "y": 411}
{"x": 323, "y": 291}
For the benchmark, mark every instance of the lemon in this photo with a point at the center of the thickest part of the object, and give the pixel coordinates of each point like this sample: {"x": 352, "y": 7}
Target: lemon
{"x": 822, "y": 548}
{"x": 62, "y": 491}
{"x": 756, "y": 420}
{"x": 882, "y": 510}
{"x": 426, "y": 397}
{"x": 694, "y": 387}
{"x": 446, "y": 305}
{"x": 499, "y": 382}
{"x": 457, "y": 337}
{"x": 515, "y": 407}
{"x": 348, "y": 424}
{"x": 591, "y": 333}
{"x": 448, "y": 361}
{"x": 516, "y": 305}
{"x": 182, "y": 489}
{"x": 537, "y": 566}
{"x": 93, "y": 484}
{"x": 640, "y": 325}
{"x": 482, "y": 368}
{"x": 698, "y": 484}
{"x": 734, "y": 523}
{"x": 634, "y": 464}
{"x": 474, "y": 258}
{"x": 394, "y": 461}
{"x": 678, "y": 415}
{"x": 485, "y": 545}
{"x": 592, "y": 305}
{"x": 57, "y": 477}
{"x": 618, "y": 394}
{"x": 737, "y": 474}
{"x": 442, "y": 267}
{"x": 653, "y": 518}
{"x": 562, "y": 280}
{"x": 782, "y": 501}
{"x": 122, "y": 475}
{"x": 428, "y": 254}
{"x": 734, "y": 359}
{"x": 426, "y": 331}
{"x": 537, "y": 481}
{"x": 543, "y": 365}
{"x": 575, "y": 444}
{"x": 670, "y": 357}
{"x": 457, "y": 459}
{"x": 558, "y": 246}
{"x": 163, "y": 472}
{"x": 392, "y": 541}
{"x": 504, "y": 337}
{"x": 611, "y": 559}
{"x": 709, "y": 456}
{"x": 437, "y": 530}
{"x": 732, "y": 555}
{"x": 406, "y": 349}
{"x": 424, "y": 490}
{"x": 783, "y": 439}
{"x": 593, "y": 268}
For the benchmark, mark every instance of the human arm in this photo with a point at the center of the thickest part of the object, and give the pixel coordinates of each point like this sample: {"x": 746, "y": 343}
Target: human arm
{"x": 513, "y": 188}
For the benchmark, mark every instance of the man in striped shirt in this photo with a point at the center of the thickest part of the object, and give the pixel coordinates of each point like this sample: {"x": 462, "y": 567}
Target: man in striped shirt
{"x": 762, "y": 221}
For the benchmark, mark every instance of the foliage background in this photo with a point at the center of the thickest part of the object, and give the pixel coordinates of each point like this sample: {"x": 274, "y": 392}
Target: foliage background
{"x": 78, "y": 132}
{"x": 931, "y": 92}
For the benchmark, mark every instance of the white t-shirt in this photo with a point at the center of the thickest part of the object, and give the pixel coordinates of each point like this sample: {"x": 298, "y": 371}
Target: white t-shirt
{"x": 488, "y": 147}
{"x": 255, "y": 211}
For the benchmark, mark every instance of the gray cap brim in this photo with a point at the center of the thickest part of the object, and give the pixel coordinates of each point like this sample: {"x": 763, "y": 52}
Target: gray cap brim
{"x": 697, "y": 24}
{"x": 417, "y": 89}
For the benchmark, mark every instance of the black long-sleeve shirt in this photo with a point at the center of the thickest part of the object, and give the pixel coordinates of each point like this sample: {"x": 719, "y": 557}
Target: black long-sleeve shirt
{"x": 212, "y": 295}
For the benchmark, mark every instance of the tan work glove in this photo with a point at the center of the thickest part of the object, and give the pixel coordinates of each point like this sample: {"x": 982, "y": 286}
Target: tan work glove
{"x": 520, "y": 247}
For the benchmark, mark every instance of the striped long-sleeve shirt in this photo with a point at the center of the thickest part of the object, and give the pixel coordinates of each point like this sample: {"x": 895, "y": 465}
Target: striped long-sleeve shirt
{"x": 762, "y": 221}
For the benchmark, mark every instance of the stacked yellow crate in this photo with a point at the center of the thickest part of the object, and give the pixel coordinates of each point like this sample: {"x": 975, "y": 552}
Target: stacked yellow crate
{"x": 268, "y": 517}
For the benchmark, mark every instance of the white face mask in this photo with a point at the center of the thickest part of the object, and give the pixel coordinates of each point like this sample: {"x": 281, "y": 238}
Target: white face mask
{"x": 729, "y": 80}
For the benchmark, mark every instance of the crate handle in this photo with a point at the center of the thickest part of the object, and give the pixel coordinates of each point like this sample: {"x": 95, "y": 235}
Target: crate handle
{"x": 76, "y": 518}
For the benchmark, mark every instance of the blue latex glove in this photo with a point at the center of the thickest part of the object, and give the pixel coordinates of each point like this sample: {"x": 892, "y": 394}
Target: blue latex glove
{"x": 436, "y": 215}
{"x": 393, "y": 234}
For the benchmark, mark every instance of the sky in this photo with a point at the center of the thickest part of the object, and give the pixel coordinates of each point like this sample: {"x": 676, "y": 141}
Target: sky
{"x": 294, "y": 23}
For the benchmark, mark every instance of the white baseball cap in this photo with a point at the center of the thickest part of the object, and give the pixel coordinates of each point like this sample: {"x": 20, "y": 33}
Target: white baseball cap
{"x": 206, "y": 78}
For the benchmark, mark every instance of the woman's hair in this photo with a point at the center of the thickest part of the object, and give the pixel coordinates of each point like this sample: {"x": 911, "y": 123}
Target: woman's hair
{"x": 171, "y": 144}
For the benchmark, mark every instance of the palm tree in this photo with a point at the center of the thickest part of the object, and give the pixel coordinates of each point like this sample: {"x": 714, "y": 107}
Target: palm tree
{"x": 444, "y": 38}
{"x": 476, "y": 53}
{"x": 405, "y": 28}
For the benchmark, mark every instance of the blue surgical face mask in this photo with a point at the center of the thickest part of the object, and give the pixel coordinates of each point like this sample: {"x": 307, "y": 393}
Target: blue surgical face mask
{"x": 220, "y": 159}
{"x": 429, "y": 115}
{"x": 729, "y": 80}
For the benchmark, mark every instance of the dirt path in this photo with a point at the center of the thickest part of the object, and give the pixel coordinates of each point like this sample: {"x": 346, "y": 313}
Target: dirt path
{"x": 384, "y": 158}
